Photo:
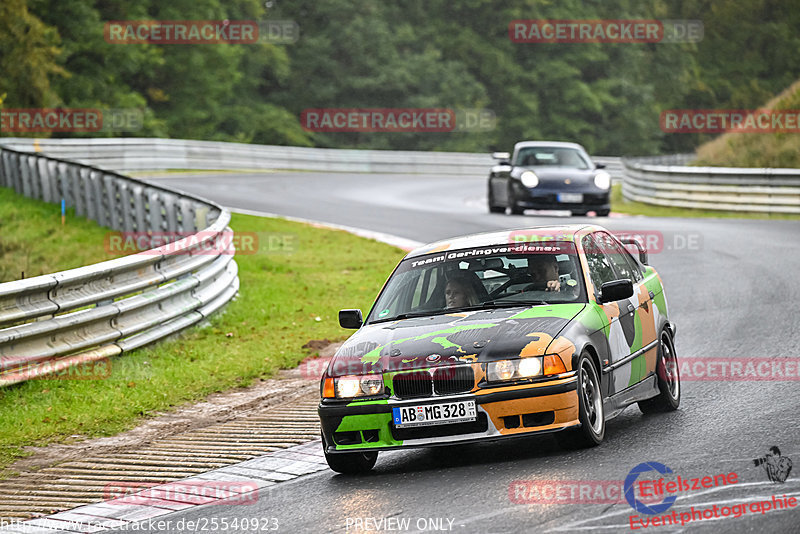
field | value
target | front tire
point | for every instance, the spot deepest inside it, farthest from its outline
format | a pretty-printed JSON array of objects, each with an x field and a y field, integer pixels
[
  {"x": 591, "y": 412},
  {"x": 669, "y": 380},
  {"x": 512, "y": 203},
  {"x": 350, "y": 463},
  {"x": 492, "y": 207}
]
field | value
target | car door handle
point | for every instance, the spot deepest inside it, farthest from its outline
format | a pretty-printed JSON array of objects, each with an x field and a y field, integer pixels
[
  {"x": 631, "y": 307},
  {"x": 652, "y": 295}
]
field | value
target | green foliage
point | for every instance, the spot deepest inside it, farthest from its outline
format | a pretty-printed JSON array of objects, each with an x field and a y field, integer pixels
[
  {"x": 418, "y": 53},
  {"x": 28, "y": 51},
  {"x": 773, "y": 150}
]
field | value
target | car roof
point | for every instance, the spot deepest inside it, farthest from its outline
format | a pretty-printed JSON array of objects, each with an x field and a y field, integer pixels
[
  {"x": 563, "y": 144},
  {"x": 502, "y": 237}
]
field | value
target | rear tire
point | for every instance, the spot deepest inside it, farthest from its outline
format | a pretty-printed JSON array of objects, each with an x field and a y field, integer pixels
[
  {"x": 350, "y": 463},
  {"x": 603, "y": 213},
  {"x": 669, "y": 380},
  {"x": 591, "y": 412}
]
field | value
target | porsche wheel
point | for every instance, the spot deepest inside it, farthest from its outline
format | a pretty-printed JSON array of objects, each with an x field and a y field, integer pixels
[{"x": 492, "y": 207}]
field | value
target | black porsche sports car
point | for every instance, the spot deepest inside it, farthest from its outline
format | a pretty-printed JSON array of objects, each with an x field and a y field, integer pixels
[{"x": 548, "y": 175}]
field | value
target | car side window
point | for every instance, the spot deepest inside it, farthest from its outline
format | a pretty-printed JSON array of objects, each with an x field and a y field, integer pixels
[
  {"x": 600, "y": 269},
  {"x": 619, "y": 257}
]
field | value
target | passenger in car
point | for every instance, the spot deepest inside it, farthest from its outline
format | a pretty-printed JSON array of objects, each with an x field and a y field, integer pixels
[{"x": 459, "y": 291}]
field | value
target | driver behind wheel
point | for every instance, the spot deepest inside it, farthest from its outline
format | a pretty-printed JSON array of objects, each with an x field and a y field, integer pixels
[{"x": 543, "y": 270}]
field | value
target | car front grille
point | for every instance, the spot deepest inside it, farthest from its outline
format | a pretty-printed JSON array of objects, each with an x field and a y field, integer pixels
[
  {"x": 450, "y": 380},
  {"x": 443, "y": 381},
  {"x": 416, "y": 384}
]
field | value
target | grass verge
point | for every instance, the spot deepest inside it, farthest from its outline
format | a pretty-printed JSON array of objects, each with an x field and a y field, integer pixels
[
  {"x": 620, "y": 205},
  {"x": 286, "y": 299},
  {"x": 33, "y": 241}
]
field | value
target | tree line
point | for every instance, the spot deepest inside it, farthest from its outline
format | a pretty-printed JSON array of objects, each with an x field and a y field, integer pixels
[{"x": 403, "y": 54}]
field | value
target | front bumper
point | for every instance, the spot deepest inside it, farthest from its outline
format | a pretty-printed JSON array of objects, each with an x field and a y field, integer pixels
[
  {"x": 501, "y": 412},
  {"x": 542, "y": 198}
]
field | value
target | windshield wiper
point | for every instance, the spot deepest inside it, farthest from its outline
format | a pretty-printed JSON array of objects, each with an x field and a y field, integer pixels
[
  {"x": 410, "y": 315},
  {"x": 500, "y": 303},
  {"x": 507, "y": 303},
  {"x": 492, "y": 304}
]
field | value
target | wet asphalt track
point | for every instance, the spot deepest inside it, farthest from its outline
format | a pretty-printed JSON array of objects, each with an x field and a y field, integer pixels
[{"x": 732, "y": 289}]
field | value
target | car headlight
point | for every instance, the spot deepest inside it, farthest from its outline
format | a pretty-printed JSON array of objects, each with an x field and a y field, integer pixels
[
  {"x": 522, "y": 368},
  {"x": 500, "y": 370},
  {"x": 530, "y": 367},
  {"x": 371, "y": 384},
  {"x": 602, "y": 180},
  {"x": 348, "y": 387},
  {"x": 529, "y": 179}
]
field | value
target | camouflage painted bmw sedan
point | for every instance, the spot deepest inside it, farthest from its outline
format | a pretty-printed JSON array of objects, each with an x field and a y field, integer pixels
[{"x": 500, "y": 335}]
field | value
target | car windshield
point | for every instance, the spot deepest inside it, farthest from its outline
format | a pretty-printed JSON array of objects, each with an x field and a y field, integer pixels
[
  {"x": 544, "y": 156},
  {"x": 520, "y": 274}
]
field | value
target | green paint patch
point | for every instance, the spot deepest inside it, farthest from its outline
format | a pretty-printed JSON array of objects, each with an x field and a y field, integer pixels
[
  {"x": 638, "y": 332},
  {"x": 562, "y": 311},
  {"x": 638, "y": 370},
  {"x": 374, "y": 421},
  {"x": 445, "y": 343},
  {"x": 374, "y": 355}
]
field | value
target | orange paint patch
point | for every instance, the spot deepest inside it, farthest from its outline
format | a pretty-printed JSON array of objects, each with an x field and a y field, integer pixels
[
  {"x": 565, "y": 349},
  {"x": 565, "y": 406},
  {"x": 536, "y": 348},
  {"x": 647, "y": 319},
  {"x": 612, "y": 310}
]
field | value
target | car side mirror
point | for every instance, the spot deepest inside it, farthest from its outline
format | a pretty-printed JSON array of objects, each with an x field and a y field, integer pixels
[
  {"x": 599, "y": 165},
  {"x": 616, "y": 290},
  {"x": 642, "y": 252},
  {"x": 350, "y": 319},
  {"x": 504, "y": 158}
]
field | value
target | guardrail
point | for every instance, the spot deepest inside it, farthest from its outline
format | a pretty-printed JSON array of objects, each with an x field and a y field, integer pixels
[
  {"x": 138, "y": 154},
  {"x": 52, "y": 322},
  {"x": 667, "y": 181}
]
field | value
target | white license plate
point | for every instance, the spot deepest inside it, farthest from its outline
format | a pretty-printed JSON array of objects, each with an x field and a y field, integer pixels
[
  {"x": 434, "y": 414},
  {"x": 570, "y": 198}
]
